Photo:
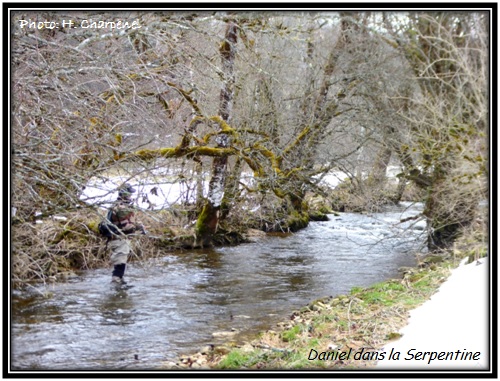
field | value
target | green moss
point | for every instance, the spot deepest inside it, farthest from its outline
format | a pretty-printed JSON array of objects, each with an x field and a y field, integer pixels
[
  {"x": 150, "y": 154},
  {"x": 94, "y": 226},
  {"x": 433, "y": 259},
  {"x": 238, "y": 359},
  {"x": 326, "y": 210},
  {"x": 313, "y": 343},
  {"x": 377, "y": 297},
  {"x": 356, "y": 290},
  {"x": 318, "y": 216},
  {"x": 60, "y": 236},
  {"x": 393, "y": 336},
  {"x": 181, "y": 151},
  {"x": 298, "y": 361},
  {"x": 206, "y": 225},
  {"x": 342, "y": 323},
  {"x": 303, "y": 134},
  {"x": 292, "y": 333},
  {"x": 347, "y": 321},
  {"x": 297, "y": 221},
  {"x": 394, "y": 291},
  {"x": 201, "y": 223}
]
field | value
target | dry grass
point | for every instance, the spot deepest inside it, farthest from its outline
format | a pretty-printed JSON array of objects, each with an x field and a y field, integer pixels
[
  {"x": 365, "y": 319},
  {"x": 50, "y": 249},
  {"x": 42, "y": 250}
]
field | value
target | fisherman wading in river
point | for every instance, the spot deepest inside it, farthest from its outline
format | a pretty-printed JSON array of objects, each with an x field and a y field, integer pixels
[{"x": 118, "y": 225}]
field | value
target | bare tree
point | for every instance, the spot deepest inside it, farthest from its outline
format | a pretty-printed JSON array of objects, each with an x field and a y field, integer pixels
[
  {"x": 259, "y": 105},
  {"x": 444, "y": 148}
]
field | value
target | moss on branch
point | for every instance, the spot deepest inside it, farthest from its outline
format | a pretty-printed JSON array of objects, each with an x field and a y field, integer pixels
[
  {"x": 186, "y": 95},
  {"x": 225, "y": 128},
  {"x": 150, "y": 154},
  {"x": 303, "y": 134}
]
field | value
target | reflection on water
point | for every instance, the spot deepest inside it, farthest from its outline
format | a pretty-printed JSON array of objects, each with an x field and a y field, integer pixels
[
  {"x": 117, "y": 309},
  {"x": 178, "y": 302}
]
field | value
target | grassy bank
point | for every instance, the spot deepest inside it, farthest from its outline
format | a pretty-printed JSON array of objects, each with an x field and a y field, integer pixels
[{"x": 364, "y": 320}]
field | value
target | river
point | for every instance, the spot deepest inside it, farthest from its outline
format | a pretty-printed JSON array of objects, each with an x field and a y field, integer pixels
[{"x": 187, "y": 300}]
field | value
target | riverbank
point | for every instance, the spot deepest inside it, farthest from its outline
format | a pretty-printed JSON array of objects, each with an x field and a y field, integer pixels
[
  {"x": 237, "y": 292},
  {"x": 357, "y": 331},
  {"x": 453, "y": 326}
]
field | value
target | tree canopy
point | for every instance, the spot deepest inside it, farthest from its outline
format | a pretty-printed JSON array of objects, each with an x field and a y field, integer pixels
[{"x": 284, "y": 96}]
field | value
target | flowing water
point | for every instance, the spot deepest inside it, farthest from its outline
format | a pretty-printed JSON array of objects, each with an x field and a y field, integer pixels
[{"x": 187, "y": 300}]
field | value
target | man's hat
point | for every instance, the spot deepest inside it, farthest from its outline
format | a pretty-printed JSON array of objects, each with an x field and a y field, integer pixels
[{"x": 126, "y": 190}]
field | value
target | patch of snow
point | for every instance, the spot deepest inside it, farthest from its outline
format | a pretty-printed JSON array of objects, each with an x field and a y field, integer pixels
[
  {"x": 332, "y": 179},
  {"x": 392, "y": 172},
  {"x": 454, "y": 319},
  {"x": 150, "y": 195}
]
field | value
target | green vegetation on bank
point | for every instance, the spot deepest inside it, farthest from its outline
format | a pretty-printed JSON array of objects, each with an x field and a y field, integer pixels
[{"x": 365, "y": 319}]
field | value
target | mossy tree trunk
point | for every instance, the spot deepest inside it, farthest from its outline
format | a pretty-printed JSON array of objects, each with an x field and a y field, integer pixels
[
  {"x": 446, "y": 213},
  {"x": 208, "y": 220},
  {"x": 442, "y": 153},
  {"x": 231, "y": 188},
  {"x": 320, "y": 107}
]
